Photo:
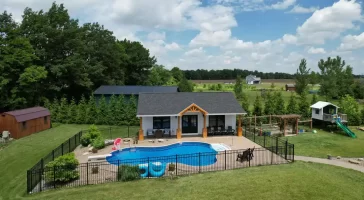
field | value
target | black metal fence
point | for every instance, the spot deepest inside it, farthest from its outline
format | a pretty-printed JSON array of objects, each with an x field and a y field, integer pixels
[
  {"x": 69, "y": 146},
  {"x": 155, "y": 167}
]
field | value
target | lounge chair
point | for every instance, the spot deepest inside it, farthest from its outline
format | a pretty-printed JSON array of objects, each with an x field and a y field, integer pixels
[
  {"x": 245, "y": 156},
  {"x": 213, "y": 131},
  {"x": 230, "y": 130},
  {"x": 150, "y": 133},
  {"x": 167, "y": 132}
]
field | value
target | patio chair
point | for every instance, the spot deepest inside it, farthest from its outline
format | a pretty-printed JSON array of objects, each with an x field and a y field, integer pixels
[
  {"x": 167, "y": 132},
  {"x": 209, "y": 133},
  {"x": 230, "y": 130},
  {"x": 219, "y": 131},
  {"x": 223, "y": 131},
  {"x": 158, "y": 133},
  {"x": 244, "y": 156},
  {"x": 150, "y": 133},
  {"x": 213, "y": 131}
]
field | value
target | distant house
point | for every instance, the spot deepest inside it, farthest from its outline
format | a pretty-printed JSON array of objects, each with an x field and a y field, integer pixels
[
  {"x": 251, "y": 79},
  {"x": 290, "y": 87},
  {"x": 21, "y": 123},
  {"x": 127, "y": 90}
]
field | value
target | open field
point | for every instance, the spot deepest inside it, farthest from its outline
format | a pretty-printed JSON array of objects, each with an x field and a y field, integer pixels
[
  {"x": 20, "y": 155},
  {"x": 323, "y": 143},
  {"x": 290, "y": 181},
  {"x": 285, "y": 81}
]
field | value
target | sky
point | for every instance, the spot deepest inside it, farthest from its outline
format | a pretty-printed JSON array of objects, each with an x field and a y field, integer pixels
[{"x": 263, "y": 35}]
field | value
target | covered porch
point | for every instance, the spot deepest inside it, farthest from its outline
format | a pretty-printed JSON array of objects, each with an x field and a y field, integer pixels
[{"x": 191, "y": 121}]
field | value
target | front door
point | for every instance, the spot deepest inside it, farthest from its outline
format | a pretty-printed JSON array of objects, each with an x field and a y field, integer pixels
[{"x": 189, "y": 124}]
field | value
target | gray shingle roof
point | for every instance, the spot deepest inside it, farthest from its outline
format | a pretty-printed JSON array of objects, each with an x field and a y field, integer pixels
[
  {"x": 29, "y": 113},
  {"x": 133, "y": 89},
  {"x": 174, "y": 103}
]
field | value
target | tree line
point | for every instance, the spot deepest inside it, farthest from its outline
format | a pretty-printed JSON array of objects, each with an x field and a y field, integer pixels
[
  {"x": 228, "y": 74},
  {"x": 117, "y": 111}
]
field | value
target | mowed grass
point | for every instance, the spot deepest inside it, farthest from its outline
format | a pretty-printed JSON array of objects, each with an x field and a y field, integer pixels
[
  {"x": 22, "y": 154},
  {"x": 322, "y": 143},
  {"x": 290, "y": 181}
]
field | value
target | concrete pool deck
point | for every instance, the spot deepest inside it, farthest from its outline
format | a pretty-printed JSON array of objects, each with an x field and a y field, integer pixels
[{"x": 234, "y": 142}]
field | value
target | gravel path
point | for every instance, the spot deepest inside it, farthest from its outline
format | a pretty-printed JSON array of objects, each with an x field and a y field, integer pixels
[{"x": 335, "y": 162}]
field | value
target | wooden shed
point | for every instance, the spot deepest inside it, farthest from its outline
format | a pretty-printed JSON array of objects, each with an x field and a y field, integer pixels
[
  {"x": 21, "y": 123},
  {"x": 290, "y": 87}
]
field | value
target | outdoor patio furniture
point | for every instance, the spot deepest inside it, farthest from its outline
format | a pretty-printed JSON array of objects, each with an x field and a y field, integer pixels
[
  {"x": 219, "y": 132},
  {"x": 209, "y": 132},
  {"x": 251, "y": 153},
  {"x": 213, "y": 131},
  {"x": 223, "y": 131},
  {"x": 167, "y": 132},
  {"x": 246, "y": 155},
  {"x": 158, "y": 133},
  {"x": 150, "y": 133},
  {"x": 230, "y": 130}
]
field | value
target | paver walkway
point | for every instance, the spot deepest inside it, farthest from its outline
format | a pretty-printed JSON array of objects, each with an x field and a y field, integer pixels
[{"x": 331, "y": 162}]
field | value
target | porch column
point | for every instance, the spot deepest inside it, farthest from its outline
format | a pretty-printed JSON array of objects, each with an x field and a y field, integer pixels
[
  {"x": 240, "y": 129},
  {"x": 141, "y": 132},
  {"x": 204, "y": 130},
  {"x": 179, "y": 133}
]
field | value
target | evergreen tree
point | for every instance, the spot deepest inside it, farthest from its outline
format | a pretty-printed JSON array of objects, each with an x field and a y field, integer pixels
[
  {"x": 54, "y": 110},
  {"x": 112, "y": 110},
  {"x": 238, "y": 88},
  {"x": 102, "y": 111},
  {"x": 314, "y": 99},
  {"x": 279, "y": 104},
  {"x": 91, "y": 111},
  {"x": 245, "y": 103},
  {"x": 131, "y": 111},
  {"x": 258, "y": 107},
  {"x": 269, "y": 107},
  {"x": 81, "y": 111},
  {"x": 302, "y": 77},
  {"x": 304, "y": 106},
  {"x": 362, "y": 116},
  {"x": 120, "y": 110},
  {"x": 292, "y": 107},
  {"x": 63, "y": 111},
  {"x": 71, "y": 112}
]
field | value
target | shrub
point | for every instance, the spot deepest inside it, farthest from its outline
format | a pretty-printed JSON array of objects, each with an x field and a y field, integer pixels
[
  {"x": 99, "y": 143},
  {"x": 94, "y": 132},
  {"x": 85, "y": 139},
  {"x": 62, "y": 169},
  {"x": 128, "y": 173}
]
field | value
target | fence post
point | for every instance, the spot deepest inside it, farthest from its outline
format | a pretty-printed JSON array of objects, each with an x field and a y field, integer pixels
[
  {"x": 176, "y": 165},
  {"x": 225, "y": 159},
  {"x": 53, "y": 154},
  {"x": 293, "y": 152},
  {"x": 276, "y": 145},
  {"x": 54, "y": 176},
  {"x": 254, "y": 134},
  {"x": 40, "y": 174},
  {"x": 264, "y": 141},
  {"x": 199, "y": 162},
  {"x": 271, "y": 159},
  {"x": 31, "y": 180},
  {"x": 28, "y": 181},
  {"x": 118, "y": 173},
  {"x": 87, "y": 173},
  {"x": 286, "y": 152},
  {"x": 62, "y": 148}
]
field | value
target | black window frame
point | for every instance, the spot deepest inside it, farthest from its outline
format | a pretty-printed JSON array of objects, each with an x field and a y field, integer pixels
[
  {"x": 317, "y": 111},
  {"x": 161, "y": 122},
  {"x": 215, "y": 119}
]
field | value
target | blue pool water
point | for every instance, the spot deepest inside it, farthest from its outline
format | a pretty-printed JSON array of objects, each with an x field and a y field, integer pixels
[{"x": 189, "y": 153}]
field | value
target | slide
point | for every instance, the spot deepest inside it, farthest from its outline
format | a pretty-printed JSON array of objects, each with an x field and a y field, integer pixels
[
  {"x": 346, "y": 129},
  {"x": 117, "y": 143}
]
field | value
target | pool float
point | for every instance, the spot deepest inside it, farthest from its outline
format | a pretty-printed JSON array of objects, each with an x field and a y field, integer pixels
[
  {"x": 157, "y": 169},
  {"x": 117, "y": 142},
  {"x": 143, "y": 168}
]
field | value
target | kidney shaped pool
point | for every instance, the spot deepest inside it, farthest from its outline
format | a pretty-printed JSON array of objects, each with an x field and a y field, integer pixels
[{"x": 189, "y": 153}]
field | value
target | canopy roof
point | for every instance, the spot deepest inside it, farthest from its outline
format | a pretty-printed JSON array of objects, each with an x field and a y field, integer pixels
[{"x": 322, "y": 104}]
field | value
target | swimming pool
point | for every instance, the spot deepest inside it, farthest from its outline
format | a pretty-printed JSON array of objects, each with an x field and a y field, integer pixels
[{"x": 189, "y": 153}]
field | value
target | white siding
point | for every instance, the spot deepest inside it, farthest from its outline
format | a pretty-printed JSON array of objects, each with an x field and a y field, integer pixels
[
  {"x": 147, "y": 124},
  {"x": 319, "y": 116},
  {"x": 230, "y": 120}
]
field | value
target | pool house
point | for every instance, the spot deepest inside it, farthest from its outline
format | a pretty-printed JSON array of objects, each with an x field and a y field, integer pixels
[{"x": 189, "y": 114}]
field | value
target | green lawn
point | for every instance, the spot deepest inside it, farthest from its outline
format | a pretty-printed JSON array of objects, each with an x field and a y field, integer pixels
[
  {"x": 22, "y": 154},
  {"x": 291, "y": 181},
  {"x": 323, "y": 143}
]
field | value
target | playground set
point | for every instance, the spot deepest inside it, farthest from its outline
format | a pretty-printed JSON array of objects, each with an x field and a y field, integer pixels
[{"x": 323, "y": 114}]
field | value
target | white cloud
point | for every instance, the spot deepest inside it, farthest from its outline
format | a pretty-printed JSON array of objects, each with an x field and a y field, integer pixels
[
  {"x": 195, "y": 52},
  {"x": 258, "y": 57},
  {"x": 289, "y": 39},
  {"x": 329, "y": 22},
  {"x": 313, "y": 50},
  {"x": 173, "y": 46},
  {"x": 300, "y": 10},
  {"x": 352, "y": 42},
  {"x": 282, "y": 5},
  {"x": 207, "y": 38}
]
